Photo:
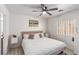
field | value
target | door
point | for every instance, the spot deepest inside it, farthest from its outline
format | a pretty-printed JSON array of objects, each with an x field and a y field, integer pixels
[{"x": 4, "y": 29}]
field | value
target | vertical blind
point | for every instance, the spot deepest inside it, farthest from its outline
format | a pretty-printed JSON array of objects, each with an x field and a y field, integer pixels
[{"x": 66, "y": 27}]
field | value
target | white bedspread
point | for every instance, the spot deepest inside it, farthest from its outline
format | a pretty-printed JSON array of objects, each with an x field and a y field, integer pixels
[{"x": 41, "y": 46}]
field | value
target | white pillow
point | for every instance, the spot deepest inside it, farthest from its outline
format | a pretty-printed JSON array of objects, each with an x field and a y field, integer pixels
[
  {"x": 36, "y": 35},
  {"x": 26, "y": 36}
]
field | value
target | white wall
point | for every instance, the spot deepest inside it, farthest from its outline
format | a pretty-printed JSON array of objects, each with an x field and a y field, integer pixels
[
  {"x": 16, "y": 23},
  {"x": 19, "y": 23},
  {"x": 52, "y": 26},
  {"x": 6, "y": 27}
]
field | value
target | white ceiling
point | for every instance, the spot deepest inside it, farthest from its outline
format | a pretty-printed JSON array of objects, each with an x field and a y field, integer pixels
[{"x": 28, "y": 8}]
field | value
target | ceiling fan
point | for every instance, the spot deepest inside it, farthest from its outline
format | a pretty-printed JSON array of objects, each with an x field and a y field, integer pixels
[{"x": 46, "y": 10}]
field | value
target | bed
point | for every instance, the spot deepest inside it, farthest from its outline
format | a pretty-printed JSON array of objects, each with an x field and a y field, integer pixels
[{"x": 42, "y": 46}]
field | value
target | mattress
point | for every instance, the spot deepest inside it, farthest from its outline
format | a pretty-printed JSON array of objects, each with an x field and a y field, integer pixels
[{"x": 42, "y": 46}]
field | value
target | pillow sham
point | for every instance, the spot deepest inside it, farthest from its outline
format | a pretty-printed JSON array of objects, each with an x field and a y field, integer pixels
[
  {"x": 43, "y": 35},
  {"x": 36, "y": 35},
  {"x": 31, "y": 36},
  {"x": 28, "y": 36},
  {"x": 25, "y": 36}
]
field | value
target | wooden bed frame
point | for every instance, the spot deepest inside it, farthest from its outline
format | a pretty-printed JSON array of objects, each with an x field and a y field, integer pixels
[{"x": 30, "y": 32}]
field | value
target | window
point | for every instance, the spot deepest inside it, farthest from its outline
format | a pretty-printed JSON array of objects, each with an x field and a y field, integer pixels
[{"x": 66, "y": 27}]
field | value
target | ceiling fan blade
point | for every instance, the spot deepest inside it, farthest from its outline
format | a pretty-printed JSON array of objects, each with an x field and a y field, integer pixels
[
  {"x": 40, "y": 14},
  {"x": 52, "y": 9},
  {"x": 48, "y": 13},
  {"x": 60, "y": 10},
  {"x": 36, "y": 11}
]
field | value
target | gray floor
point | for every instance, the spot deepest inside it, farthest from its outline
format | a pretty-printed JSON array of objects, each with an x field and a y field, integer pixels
[
  {"x": 15, "y": 51},
  {"x": 19, "y": 51}
]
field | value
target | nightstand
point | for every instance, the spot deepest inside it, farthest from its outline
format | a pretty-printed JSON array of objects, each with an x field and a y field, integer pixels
[{"x": 13, "y": 41}]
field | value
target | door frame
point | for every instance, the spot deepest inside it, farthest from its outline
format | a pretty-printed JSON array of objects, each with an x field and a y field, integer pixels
[{"x": 1, "y": 25}]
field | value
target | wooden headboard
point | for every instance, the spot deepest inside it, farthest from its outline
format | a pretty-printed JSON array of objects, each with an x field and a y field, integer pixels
[{"x": 30, "y": 32}]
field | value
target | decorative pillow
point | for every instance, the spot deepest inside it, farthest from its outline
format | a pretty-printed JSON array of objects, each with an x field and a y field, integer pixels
[
  {"x": 41, "y": 35},
  {"x": 46, "y": 35},
  {"x": 31, "y": 36},
  {"x": 36, "y": 35}
]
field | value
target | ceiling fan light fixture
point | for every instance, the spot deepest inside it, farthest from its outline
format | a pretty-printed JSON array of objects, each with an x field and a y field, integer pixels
[{"x": 44, "y": 12}]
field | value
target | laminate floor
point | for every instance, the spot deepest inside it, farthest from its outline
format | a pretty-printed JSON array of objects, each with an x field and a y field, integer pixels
[
  {"x": 15, "y": 51},
  {"x": 19, "y": 51}
]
